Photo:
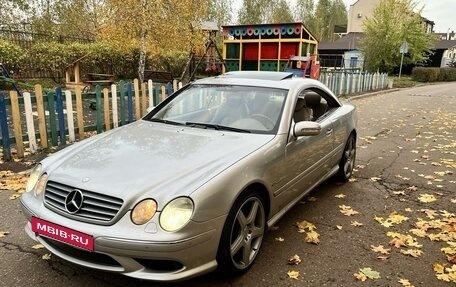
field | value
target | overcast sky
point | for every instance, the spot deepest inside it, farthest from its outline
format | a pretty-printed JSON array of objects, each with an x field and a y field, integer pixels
[{"x": 442, "y": 12}]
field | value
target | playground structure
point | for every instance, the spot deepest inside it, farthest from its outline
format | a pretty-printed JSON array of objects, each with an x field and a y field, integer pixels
[
  {"x": 270, "y": 47},
  {"x": 211, "y": 56}
]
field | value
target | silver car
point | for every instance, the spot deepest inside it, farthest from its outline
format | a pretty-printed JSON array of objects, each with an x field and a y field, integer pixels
[{"x": 194, "y": 184}]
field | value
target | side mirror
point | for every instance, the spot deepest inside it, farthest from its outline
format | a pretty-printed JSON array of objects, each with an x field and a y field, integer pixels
[{"x": 306, "y": 128}]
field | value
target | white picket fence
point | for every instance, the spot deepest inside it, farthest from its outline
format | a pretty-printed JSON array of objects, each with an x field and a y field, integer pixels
[{"x": 353, "y": 82}]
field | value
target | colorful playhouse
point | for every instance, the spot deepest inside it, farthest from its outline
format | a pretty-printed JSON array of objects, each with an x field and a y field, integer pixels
[{"x": 265, "y": 47}]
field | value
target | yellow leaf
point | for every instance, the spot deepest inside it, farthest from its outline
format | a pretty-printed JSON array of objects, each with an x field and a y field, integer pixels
[
  {"x": 426, "y": 198},
  {"x": 356, "y": 223},
  {"x": 405, "y": 283},
  {"x": 360, "y": 276},
  {"x": 312, "y": 237},
  {"x": 38, "y": 246},
  {"x": 3, "y": 233},
  {"x": 305, "y": 225},
  {"x": 46, "y": 256},
  {"x": 380, "y": 249},
  {"x": 293, "y": 274},
  {"x": 280, "y": 239},
  {"x": 340, "y": 195},
  {"x": 439, "y": 268},
  {"x": 412, "y": 252}
]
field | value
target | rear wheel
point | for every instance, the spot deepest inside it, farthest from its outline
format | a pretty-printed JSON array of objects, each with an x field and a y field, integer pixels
[
  {"x": 347, "y": 163},
  {"x": 242, "y": 234}
]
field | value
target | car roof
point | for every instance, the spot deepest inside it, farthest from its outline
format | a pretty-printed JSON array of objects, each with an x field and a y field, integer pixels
[
  {"x": 273, "y": 76},
  {"x": 280, "y": 80}
]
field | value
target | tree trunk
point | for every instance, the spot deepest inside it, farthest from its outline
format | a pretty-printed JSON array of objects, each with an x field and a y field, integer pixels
[{"x": 142, "y": 49}]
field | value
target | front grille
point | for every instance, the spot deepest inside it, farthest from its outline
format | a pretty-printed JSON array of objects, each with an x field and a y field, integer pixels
[
  {"x": 95, "y": 206},
  {"x": 83, "y": 255}
]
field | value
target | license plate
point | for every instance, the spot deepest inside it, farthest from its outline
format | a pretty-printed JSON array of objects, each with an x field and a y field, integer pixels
[{"x": 62, "y": 234}]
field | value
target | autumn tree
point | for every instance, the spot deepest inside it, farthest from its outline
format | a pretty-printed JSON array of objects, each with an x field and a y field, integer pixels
[
  {"x": 252, "y": 12},
  {"x": 304, "y": 11},
  {"x": 392, "y": 23},
  {"x": 281, "y": 13},
  {"x": 153, "y": 26},
  {"x": 328, "y": 14}
]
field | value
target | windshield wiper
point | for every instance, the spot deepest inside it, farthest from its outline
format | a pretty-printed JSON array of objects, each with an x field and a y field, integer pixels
[
  {"x": 215, "y": 127},
  {"x": 166, "y": 121}
]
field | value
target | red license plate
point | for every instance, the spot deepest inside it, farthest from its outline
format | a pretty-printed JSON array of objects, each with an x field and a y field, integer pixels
[{"x": 62, "y": 234}]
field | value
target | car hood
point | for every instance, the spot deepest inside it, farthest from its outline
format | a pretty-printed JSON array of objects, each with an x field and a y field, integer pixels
[{"x": 151, "y": 159}]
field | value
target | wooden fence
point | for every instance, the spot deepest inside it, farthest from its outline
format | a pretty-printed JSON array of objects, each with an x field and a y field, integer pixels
[
  {"x": 59, "y": 117},
  {"x": 56, "y": 118},
  {"x": 353, "y": 82}
]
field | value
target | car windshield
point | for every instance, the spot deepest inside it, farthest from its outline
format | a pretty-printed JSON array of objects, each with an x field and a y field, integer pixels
[{"x": 224, "y": 107}]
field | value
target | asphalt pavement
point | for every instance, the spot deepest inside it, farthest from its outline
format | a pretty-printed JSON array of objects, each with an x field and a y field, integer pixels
[{"x": 406, "y": 165}]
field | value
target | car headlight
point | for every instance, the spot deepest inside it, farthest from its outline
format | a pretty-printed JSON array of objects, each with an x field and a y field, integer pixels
[
  {"x": 41, "y": 184},
  {"x": 176, "y": 214},
  {"x": 143, "y": 211},
  {"x": 33, "y": 178}
]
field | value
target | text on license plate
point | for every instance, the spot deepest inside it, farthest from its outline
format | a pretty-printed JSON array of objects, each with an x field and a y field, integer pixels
[{"x": 62, "y": 233}]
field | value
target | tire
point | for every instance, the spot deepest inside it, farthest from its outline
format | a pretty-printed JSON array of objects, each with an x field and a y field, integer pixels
[
  {"x": 242, "y": 234},
  {"x": 347, "y": 162}
]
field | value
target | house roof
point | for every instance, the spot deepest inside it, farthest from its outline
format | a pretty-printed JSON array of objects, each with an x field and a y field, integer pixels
[
  {"x": 445, "y": 44},
  {"x": 349, "y": 41}
]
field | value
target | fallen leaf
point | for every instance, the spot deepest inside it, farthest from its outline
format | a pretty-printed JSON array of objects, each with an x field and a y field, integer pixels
[
  {"x": 312, "y": 237},
  {"x": 293, "y": 274},
  {"x": 3, "y": 233},
  {"x": 46, "y": 256},
  {"x": 380, "y": 249},
  {"x": 405, "y": 283},
  {"x": 280, "y": 239},
  {"x": 305, "y": 225},
  {"x": 427, "y": 198},
  {"x": 356, "y": 224},
  {"x": 360, "y": 276},
  {"x": 340, "y": 195},
  {"x": 371, "y": 274},
  {"x": 37, "y": 246},
  {"x": 412, "y": 252},
  {"x": 295, "y": 260}
]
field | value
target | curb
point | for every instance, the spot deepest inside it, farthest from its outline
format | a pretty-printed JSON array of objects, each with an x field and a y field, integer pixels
[{"x": 373, "y": 94}]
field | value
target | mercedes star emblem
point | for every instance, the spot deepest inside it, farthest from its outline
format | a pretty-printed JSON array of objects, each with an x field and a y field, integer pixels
[{"x": 73, "y": 201}]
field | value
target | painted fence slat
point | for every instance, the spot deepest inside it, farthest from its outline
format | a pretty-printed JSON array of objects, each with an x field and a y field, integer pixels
[
  {"x": 70, "y": 116},
  {"x": 60, "y": 115},
  {"x": 17, "y": 126},
  {"x": 41, "y": 116},
  {"x": 137, "y": 100},
  {"x": 29, "y": 121},
  {"x": 6, "y": 144},
  {"x": 130, "y": 102},
  {"x": 79, "y": 113},
  {"x": 150, "y": 88},
  {"x": 115, "y": 115},
  {"x": 143, "y": 99},
  {"x": 52, "y": 118},
  {"x": 122, "y": 102},
  {"x": 99, "y": 108},
  {"x": 106, "y": 109}
]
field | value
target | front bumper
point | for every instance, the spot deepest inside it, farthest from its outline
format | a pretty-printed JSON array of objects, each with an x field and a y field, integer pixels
[{"x": 167, "y": 260}]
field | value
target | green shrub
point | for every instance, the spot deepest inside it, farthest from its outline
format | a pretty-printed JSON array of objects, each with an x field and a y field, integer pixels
[
  {"x": 11, "y": 55},
  {"x": 447, "y": 74},
  {"x": 422, "y": 74}
]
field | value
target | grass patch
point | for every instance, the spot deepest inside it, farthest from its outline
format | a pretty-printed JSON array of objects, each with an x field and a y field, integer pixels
[{"x": 404, "y": 82}]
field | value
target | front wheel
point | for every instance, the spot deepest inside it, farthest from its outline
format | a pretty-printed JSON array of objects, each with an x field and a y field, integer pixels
[
  {"x": 242, "y": 234},
  {"x": 347, "y": 163}
]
